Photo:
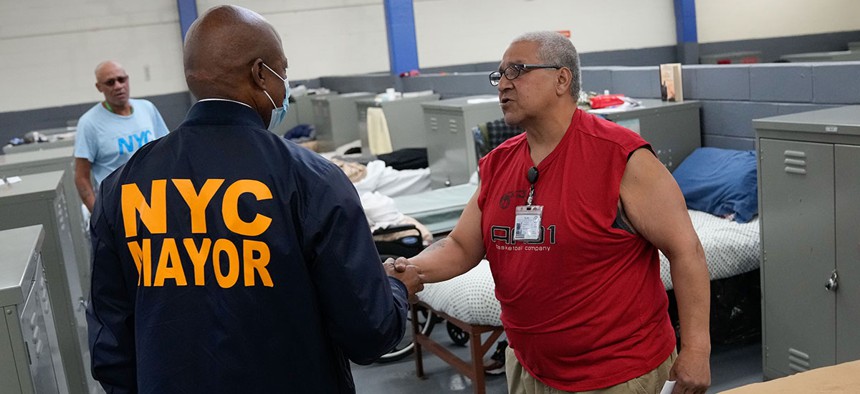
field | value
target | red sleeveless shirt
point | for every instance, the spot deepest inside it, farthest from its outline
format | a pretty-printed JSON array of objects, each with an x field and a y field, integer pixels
[{"x": 583, "y": 307}]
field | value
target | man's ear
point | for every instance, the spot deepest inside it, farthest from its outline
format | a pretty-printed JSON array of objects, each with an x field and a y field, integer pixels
[
  {"x": 99, "y": 88},
  {"x": 565, "y": 78},
  {"x": 258, "y": 73}
]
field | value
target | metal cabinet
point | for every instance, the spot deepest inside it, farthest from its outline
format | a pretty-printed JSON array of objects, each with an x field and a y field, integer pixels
[
  {"x": 31, "y": 162},
  {"x": 336, "y": 119},
  {"x": 809, "y": 183},
  {"x": 450, "y": 143},
  {"x": 404, "y": 117},
  {"x": 39, "y": 199},
  {"x": 57, "y": 159},
  {"x": 301, "y": 112},
  {"x": 672, "y": 129},
  {"x": 27, "y": 354},
  {"x": 58, "y": 137}
]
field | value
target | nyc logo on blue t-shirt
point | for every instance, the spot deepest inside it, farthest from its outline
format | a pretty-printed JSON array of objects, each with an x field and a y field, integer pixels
[{"x": 133, "y": 142}]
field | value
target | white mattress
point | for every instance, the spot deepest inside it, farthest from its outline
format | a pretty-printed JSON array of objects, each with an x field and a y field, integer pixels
[
  {"x": 730, "y": 249},
  {"x": 470, "y": 297}
]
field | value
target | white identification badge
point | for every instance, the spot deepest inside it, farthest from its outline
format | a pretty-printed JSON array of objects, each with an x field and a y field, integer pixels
[{"x": 527, "y": 223}]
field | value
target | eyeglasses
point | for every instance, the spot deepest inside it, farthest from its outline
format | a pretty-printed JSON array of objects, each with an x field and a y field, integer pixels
[
  {"x": 513, "y": 71},
  {"x": 113, "y": 81}
]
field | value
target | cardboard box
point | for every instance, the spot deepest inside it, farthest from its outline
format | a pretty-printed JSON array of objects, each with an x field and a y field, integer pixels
[{"x": 842, "y": 378}]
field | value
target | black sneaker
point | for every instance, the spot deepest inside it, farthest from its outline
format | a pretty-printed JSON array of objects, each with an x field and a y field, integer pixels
[{"x": 496, "y": 364}]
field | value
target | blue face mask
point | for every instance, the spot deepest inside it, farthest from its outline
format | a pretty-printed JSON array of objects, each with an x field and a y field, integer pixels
[{"x": 279, "y": 114}]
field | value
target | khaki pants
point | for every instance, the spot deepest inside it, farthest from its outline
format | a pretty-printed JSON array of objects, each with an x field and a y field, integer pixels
[{"x": 521, "y": 382}]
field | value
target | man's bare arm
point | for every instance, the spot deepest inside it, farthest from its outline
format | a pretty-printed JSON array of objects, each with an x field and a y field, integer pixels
[
  {"x": 457, "y": 253},
  {"x": 656, "y": 208},
  {"x": 83, "y": 171}
]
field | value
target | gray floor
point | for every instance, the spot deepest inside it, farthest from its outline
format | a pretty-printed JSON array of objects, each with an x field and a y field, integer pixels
[{"x": 731, "y": 366}]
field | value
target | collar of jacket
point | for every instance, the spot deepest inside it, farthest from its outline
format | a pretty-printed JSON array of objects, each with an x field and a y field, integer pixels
[{"x": 222, "y": 113}]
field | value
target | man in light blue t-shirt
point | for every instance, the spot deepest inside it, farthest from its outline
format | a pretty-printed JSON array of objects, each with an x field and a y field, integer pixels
[{"x": 112, "y": 130}]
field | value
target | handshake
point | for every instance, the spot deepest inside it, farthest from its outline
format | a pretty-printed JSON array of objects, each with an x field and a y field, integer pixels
[{"x": 407, "y": 273}]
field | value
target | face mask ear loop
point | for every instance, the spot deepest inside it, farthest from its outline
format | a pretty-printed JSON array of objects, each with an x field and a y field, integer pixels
[
  {"x": 270, "y": 99},
  {"x": 267, "y": 93}
]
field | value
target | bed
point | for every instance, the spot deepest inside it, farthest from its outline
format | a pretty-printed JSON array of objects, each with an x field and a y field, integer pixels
[
  {"x": 437, "y": 209},
  {"x": 720, "y": 189},
  {"x": 731, "y": 248}
]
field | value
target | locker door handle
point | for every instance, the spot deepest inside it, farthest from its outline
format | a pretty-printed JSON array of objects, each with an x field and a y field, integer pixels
[{"x": 832, "y": 283}]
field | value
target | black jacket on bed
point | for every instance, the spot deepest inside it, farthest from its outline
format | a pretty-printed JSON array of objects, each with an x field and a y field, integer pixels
[{"x": 228, "y": 260}]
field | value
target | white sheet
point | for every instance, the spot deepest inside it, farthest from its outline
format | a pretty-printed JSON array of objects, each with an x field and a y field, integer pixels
[
  {"x": 393, "y": 183},
  {"x": 730, "y": 249},
  {"x": 384, "y": 179}
]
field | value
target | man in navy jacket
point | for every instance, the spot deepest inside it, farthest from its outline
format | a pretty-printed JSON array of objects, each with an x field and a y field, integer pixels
[{"x": 229, "y": 260}]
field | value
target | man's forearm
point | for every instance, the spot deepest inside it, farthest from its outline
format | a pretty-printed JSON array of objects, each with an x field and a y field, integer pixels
[
  {"x": 444, "y": 260},
  {"x": 693, "y": 294},
  {"x": 85, "y": 191},
  {"x": 89, "y": 201}
]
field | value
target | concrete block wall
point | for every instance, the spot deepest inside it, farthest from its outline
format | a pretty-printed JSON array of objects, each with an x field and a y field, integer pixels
[
  {"x": 451, "y": 85},
  {"x": 447, "y": 85},
  {"x": 373, "y": 83},
  {"x": 733, "y": 95}
]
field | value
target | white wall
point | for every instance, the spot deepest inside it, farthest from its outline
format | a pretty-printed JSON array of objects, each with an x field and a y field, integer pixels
[
  {"x": 325, "y": 37},
  {"x": 729, "y": 20},
  {"x": 49, "y": 48},
  {"x": 471, "y": 31}
]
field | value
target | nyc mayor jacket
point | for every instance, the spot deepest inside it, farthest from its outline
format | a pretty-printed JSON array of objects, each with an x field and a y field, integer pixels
[{"x": 228, "y": 260}]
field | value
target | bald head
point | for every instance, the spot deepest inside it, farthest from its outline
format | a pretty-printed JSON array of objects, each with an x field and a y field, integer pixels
[
  {"x": 112, "y": 81},
  {"x": 224, "y": 49},
  {"x": 105, "y": 66}
]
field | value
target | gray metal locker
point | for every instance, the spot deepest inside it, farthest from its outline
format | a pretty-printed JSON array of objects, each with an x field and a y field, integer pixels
[
  {"x": 301, "y": 112},
  {"x": 809, "y": 183},
  {"x": 673, "y": 129},
  {"x": 39, "y": 199},
  {"x": 57, "y": 159},
  {"x": 27, "y": 355},
  {"x": 848, "y": 251},
  {"x": 404, "y": 117},
  {"x": 336, "y": 119},
  {"x": 797, "y": 210},
  {"x": 450, "y": 144}
]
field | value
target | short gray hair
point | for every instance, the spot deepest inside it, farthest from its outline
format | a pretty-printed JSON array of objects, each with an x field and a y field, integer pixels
[{"x": 556, "y": 49}]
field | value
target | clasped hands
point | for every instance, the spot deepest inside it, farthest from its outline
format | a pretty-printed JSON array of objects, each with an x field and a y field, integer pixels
[{"x": 407, "y": 273}]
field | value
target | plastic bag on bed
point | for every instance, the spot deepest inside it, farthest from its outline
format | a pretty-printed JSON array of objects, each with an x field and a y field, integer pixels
[{"x": 735, "y": 309}]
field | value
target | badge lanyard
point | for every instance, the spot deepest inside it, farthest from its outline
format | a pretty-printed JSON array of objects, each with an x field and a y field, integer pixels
[{"x": 527, "y": 223}]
